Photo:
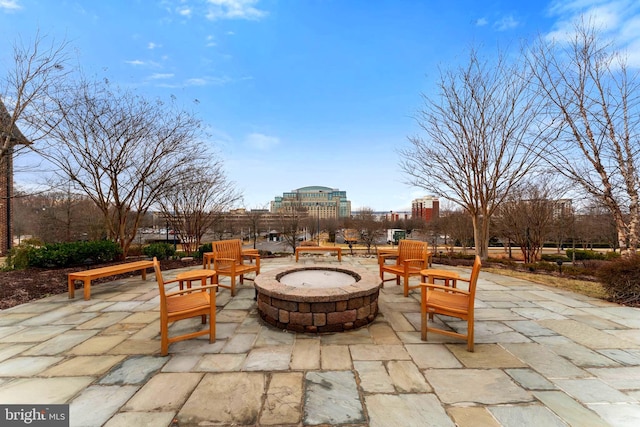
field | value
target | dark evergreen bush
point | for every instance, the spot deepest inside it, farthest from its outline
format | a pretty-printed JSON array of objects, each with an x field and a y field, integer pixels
[
  {"x": 207, "y": 247},
  {"x": 621, "y": 279},
  {"x": 159, "y": 250},
  {"x": 70, "y": 254},
  {"x": 555, "y": 258},
  {"x": 582, "y": 255}
]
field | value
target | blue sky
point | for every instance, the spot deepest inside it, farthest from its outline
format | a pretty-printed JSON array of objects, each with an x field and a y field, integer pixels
[{"x": 300, "y": 92}]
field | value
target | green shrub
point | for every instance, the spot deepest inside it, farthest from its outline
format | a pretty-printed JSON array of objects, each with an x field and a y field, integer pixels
[
  {"x": 159, "y": 250},
  {"x": 555, "y": 258},
  {"x": 621, "y": 279},
  {"x": 610, "y": 256},
  {"x": 18, "y": 257},
  {"x": 59, "y": 255},
  {"x": 207, "y": 247},
  {"x": 582, "y": 255},
  {"x": 545, "y": 266}
]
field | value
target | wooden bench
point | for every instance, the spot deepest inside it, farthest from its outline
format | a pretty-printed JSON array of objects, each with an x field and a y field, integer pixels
[
  {"x": 88, "y": 275},
  {"x": 319, "y": 249}
]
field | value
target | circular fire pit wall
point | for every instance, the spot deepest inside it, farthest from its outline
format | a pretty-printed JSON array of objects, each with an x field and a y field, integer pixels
[{"x": 318, "y": 298}]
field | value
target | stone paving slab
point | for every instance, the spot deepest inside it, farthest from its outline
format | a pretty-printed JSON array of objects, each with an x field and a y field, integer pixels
[
  {"x": 543, "y": 357},
  {"x": 332, "y": 398},
  {"x": 468, "y": 386},
  {"x": 410, "y": 410},
  {"x": 225, "y": 399}
]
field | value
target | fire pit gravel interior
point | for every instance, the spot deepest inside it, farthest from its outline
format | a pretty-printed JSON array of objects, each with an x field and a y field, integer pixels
[{"x": 320, "y": 299}]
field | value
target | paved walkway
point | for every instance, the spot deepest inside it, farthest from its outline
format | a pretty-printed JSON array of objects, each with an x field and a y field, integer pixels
[{"x": 543, "y": 357}]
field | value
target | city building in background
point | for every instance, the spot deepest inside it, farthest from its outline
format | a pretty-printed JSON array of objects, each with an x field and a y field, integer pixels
[
  {"x": 392, "y": 215},
  {"x": 427, "y": 208},
  {"x": 323, "y": 202}
]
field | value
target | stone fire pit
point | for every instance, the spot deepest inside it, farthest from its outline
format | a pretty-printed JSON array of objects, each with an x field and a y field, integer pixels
[{"x": 318, "y": 298}]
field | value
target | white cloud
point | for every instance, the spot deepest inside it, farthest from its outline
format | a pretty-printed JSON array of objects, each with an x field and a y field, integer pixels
[
  {"x": 211, "y": 41},
  {"x": 158, "y": 76},
  {"x": 185, "y": 11},
  {"x": 262, "y": 142},
  {"x": 482, "y": 22},
  {"x": 135, "y": 62},
  {"x": 196, "y": 81},
  {"x": 618, "y": 20},
  {"x": 233, "y": 9},
  {"x": 199, "y": 81},
  {"x": 506, "y": 23},
  {"x": 141, "y": 63},
  {"x": 153, "y": 45},
  {"x": 10, "y": 5}
]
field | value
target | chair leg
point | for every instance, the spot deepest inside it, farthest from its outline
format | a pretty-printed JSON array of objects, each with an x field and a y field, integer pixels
[
  {"x": 423, "y": 313},
  {"x": 406, "y": 286},
  {"x": 470, "y": 335},
  {"x": 233, "y": 285},
  {"x": 212, "y": 318},
  {"x": 164, "y": 338}
]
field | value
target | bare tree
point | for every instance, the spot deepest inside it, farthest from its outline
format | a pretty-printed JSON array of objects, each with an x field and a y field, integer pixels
[
  {"x": 457, "y": 228},
  {"x": 254, "y": 220},
  {"x": 331, "y": 225},
  {"x": 526, "y": 218},
  {"x": 290, "y": 222},
  {"x": 57, "y": 216},
  {"x": 196, "y": 200},
  {"x": 38, "y": 69},
  {"x": 370, "y": 229},
  {"x": 593, "y": 116},
  {"x": 121, "y": 150},
  {"x": 478, "y": 139}
]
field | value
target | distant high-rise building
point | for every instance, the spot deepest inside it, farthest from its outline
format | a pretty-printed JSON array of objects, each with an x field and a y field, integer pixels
[
  {"x": 427, "y": 208},
  {"x": 324, "y": 202}
]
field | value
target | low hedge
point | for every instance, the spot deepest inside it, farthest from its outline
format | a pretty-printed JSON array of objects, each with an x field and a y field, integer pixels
[
  {"x": 159, "y": 250},
  {"x": 68, "y": 254}
]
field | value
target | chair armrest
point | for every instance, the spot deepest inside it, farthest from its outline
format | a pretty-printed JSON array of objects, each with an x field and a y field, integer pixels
[
  {"x": 382, "y": 257},
  {"x": 444, "y": 288},
  {"x": 189, "y": 290}
]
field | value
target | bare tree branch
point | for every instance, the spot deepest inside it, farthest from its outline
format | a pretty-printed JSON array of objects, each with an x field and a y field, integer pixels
[
  {"x": 480, "y": 139},
  {"x": 592, "y": 110},
  {"x": 121, "y": 150}
]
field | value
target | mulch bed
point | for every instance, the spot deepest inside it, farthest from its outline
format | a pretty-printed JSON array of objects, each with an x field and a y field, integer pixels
[{"x": 21, "y": 286}]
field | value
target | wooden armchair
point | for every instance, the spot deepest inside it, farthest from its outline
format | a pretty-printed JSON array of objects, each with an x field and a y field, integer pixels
[
  {"x": 411, "y": 257},
  {"x": 185, "y": 304},
  {"x": 448, "y": 301},
  {"x": 207, "y": 257},
  {"x": 228, "y": 260}
]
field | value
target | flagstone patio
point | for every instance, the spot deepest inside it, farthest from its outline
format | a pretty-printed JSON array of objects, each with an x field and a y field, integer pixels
[{"x": 543, "y": 357}]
